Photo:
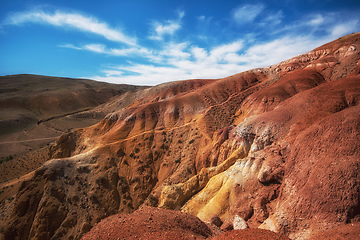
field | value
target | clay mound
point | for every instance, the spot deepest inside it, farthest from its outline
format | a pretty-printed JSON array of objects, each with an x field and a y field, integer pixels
[
  {"x": 250, "y": 234},
  {"x": 150, "y": 223}
]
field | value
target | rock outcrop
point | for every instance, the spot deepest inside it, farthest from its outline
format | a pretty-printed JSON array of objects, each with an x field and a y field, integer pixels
[{"x": 278, "y": 147}]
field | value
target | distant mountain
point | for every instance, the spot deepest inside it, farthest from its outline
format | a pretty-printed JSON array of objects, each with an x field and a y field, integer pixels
[{"x": 276, "y": 147}]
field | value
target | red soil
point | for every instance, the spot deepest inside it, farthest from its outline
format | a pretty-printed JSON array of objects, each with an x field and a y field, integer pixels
[
  {"x": 346, "y": 232},
  {"x": 250, "y": 234},
  {"x": 155, "y": 223},
  {"x": 150, "y": 223}
]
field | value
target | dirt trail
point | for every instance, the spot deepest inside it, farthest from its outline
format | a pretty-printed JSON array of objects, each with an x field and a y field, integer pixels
[
  {"x": 29, "y": 140},
  {"x": 61, "y": 116}
]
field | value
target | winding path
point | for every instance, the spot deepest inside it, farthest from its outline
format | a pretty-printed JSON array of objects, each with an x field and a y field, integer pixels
[{"x": 29, "y": 140}]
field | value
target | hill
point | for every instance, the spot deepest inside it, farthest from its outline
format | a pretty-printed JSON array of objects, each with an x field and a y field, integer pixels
[
  {"x": 277, "y": 147},
  {"x": 35, "y": 110}
]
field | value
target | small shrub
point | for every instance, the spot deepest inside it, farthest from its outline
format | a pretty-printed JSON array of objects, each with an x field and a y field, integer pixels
[{"x": 8, "y": 158}]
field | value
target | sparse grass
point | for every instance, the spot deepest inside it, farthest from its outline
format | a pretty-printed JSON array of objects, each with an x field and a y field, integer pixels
[{"x": 8, "y": 158}]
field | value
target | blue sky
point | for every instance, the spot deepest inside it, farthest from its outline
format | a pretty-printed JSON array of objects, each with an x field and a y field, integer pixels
[{"x": 149, "y": 42}]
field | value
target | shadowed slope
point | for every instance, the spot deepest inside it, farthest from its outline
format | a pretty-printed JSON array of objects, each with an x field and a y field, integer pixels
[{"x": 35, "y": 110}]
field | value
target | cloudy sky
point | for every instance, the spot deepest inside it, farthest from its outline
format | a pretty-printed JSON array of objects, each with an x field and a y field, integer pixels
[{"x": 146, "y": 42}]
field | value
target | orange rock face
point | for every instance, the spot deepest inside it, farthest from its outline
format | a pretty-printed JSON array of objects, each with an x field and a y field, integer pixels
[{"x": 278, "y": 147}]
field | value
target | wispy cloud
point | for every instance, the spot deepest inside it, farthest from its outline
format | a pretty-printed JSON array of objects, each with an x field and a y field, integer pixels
[
  {"x": 98, "y": 48},
  {"x": 247, "y": 13},
  {"x": 345, "y": 28},
  {"x": 178, "y": 61},
  {"x": 169, "y": 27},
  {"x": 188, "y": 61},
  {"x": 223, "y": 52},
  {"x": 164, "y": 29},
  {"x": 72, "y": 20},
  {"x": 273, "y": 19},
  {"x": 316, "y": 20},
  {"x": 69, "y": 45},
  {"x": 102, "y": 49},
  {"x": 329, "y": 25}
]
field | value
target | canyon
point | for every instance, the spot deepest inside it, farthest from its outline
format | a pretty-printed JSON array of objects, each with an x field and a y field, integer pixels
[{"x": 277, "y": 148}]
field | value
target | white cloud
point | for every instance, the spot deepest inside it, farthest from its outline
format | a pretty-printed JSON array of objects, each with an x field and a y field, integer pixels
[
  {"x": 247, "y": 13},
  {"x": 269, "y": 53},
  {"x": 191, "y": 62},
  {"x": 142, "y": 74},
  {"x": 186, "y": 60},
  {"x": 201, "y": 18},
  {"x": 167, "y": 28},
  {"x": 98, "y": 48},
  {"x": 316, "y": 20},
  {"x": 72, "y": 20},
  {"x": 199, "y": 54},
  {"x": 113, "y": 73},
  {"x": 181, "y": 14},
  {"x": 328, "y": 25},
  {"x": 175, "y": 50},
  {"x": 102, "y": 49},
  {"x": 222, "y": 52},
  {"x": 137, "y": 51},
  {"x": 344, "y": 28},
  {"x": 273, "y": 19},
  {"x": 164, "y": 29},
  {"x": 69, "y": 45},
  {"x": 178, "y": 61}
]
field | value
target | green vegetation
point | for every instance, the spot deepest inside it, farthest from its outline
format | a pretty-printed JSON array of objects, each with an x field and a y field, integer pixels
[{"x": 8, "y": 158}]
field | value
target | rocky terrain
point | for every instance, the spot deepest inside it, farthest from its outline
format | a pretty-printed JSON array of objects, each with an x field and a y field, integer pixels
[{"x": 273, "y": 148}]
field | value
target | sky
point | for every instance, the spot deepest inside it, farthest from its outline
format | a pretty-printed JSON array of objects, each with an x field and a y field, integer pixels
[{"x": 145, "y": 42}]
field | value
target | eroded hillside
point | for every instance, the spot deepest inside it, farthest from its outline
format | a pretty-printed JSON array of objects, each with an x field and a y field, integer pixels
[
  {"x": 36, "y": 110},
  {"x": 276, "y": 146}
]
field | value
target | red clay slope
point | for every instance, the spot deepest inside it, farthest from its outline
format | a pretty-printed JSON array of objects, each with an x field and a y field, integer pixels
[
  {"x": 156, "y": 223},
  {"x": 150, "y": 223},
  {"x": 277, "y": 146}
]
